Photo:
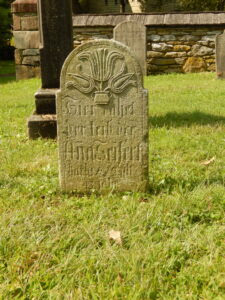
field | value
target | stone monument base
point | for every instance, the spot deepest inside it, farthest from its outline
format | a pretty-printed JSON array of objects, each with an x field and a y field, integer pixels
[
  {"x": 45, "y": 101},
  {"x": 42, "y": 126},
  {"x": 43, "y": 122}
]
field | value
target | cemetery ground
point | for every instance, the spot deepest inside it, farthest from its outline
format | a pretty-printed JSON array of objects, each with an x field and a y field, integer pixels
[{"x": 56, "y": 245}]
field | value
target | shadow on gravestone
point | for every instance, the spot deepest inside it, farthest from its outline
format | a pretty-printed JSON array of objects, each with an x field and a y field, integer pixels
[
  {"x": 55, "y": 25},
  {"x": 220, "y": 55},
  {"x": 102, "y": 111},
  {"x": 133, "y": 35}
]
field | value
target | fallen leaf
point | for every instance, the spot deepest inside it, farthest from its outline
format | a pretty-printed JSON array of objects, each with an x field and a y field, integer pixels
[
  {"x": 208, "y": 162},
  {"x": 120, "y": 277},
  {"x": 115, "y": 236},
  {"x": 143, "y": 200}
]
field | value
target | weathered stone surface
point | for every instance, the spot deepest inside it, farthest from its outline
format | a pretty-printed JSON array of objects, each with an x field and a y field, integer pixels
[
  {"x": 102, "y": 112},
  {"x": 31, "y": 60},
  {"x": 220, "y": 55},
  {"x": 163, "y": 61},
  {"x": 42, "y": 126},
  {"x": 208, "y": 38},
  {"x": 154, "y": 38},
  {"x": 29, "y": 23},
  {"x": 16, "y": 22},
  {"x": 56, "y": 38},
  {"x": 26, "y": 39},
  {"x": 211, "y": 68},
  {"x": 45, "y": 101},
  {"x": 189, "y": 38},
  {"x": 161, "y": 47},
  {"x": 180, "y": 61},
  {"x": 24, "y": 6},
  {"x": 195, "y": 65},
  {"x": 154, "y": 54},
  {"x": 18, "y": 56},
  {"x": 133, "y": 35},
  {"x": 198, "y": 50},
  {"x": 25, "y": 72},
  {"x": 203, "y": 43},
  {"x": 31, "y": 52},
  {"x": 181, "y": 48},
  {"x": 175, "y": 54},
  {"x": 168, "y": 37}
]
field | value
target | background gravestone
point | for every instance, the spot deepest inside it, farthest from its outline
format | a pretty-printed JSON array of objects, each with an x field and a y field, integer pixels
[
  {"x": 133, "y": 35},
  {"x": 220, "y": 55},
  {"x": 55, "y": 25},
  {"x": 102, "y": 112}
]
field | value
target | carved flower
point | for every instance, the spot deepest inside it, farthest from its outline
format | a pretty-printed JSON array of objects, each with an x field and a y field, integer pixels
[{"x": 101, "y": 78}]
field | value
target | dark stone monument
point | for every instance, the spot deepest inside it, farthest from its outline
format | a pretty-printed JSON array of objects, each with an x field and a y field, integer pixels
[{"x": 55, "y": 26}]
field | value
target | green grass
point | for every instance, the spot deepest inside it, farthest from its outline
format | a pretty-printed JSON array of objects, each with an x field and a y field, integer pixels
[
  {"x": 55, "y": 245},
  {"x": 7, "y": 71},
  {"x": 7, "y": 67}
]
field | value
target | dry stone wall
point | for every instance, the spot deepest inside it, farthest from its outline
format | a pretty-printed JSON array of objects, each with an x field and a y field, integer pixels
[
  {"x": 175, "y": 42},
  {"x": 181, "y": 49},
  {"x": 172, "y": 49}
]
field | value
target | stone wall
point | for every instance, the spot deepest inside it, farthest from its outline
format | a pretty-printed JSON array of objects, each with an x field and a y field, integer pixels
[
  {"x": 26, "y": 38},
  {"x": 172, "y": 49},
  {"x": 175, "y": 42}
]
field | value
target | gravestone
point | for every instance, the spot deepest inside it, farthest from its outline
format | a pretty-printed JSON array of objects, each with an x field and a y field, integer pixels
[
  {"x": 102, "y": 112},
  {"x": 133, "y": 35},
  {"x": 55, "y": 26},
  {"x": 220, "y": 55}
]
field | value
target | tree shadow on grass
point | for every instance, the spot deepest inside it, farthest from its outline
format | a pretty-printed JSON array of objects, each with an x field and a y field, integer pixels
[
  {"x": 174, "y": 119},
  {"x": 7, "y": 78}
]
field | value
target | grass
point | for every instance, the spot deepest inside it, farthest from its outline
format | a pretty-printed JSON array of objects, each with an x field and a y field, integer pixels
[
  {"x": 55, "y": 245},
  {"x": 7, "y": 71}
]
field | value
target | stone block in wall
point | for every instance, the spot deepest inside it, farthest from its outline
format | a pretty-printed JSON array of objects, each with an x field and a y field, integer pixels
[
  {"x": 18, "y": 55},
  {"x": 214, "y": 32},
  {"x": 31, "y": 60},
  {"x": 154, "y": 54},
  {"x": 27, "y": 6},
  {"x": 31, "y": 52},
  {"x": 195, "y": 65},
  {"x": 208, "y": 38},
  {"x": 212, "y": 45},
  {"x": 211, "y": 68},
  {"x": 180, "y": 61},
  {"x": 168, "y": 37},
  {"x": 29, "y": 23},
  {"x": 188, "y": 38},
  {"x": 26, "y": 39},
  {"x": 181, "y": 48},
  {"x": 25, "y": 72},
  {"x": 210, "y": 60},
  {"x": 154, "y": 38},
  {"x": 198, "y": 50},
  {"x": 163, "y": 61},
  {"x": 152, "y": 68},
  {"x": 175, "y": 54},
  {"x": 161, "y": 47},
  {"x": 203, "y": 43},
  {"x": 16, "y": 22}
]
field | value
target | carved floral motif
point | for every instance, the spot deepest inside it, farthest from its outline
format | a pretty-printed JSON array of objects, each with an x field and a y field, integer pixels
[{"x": 101, "y": 81}]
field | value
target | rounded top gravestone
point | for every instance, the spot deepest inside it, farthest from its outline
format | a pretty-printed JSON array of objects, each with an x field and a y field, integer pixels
[{"x": 102, "y": 112}]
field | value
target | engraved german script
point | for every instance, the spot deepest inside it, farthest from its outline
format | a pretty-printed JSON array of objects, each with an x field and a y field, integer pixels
[{"x": 102, "y": 112}]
